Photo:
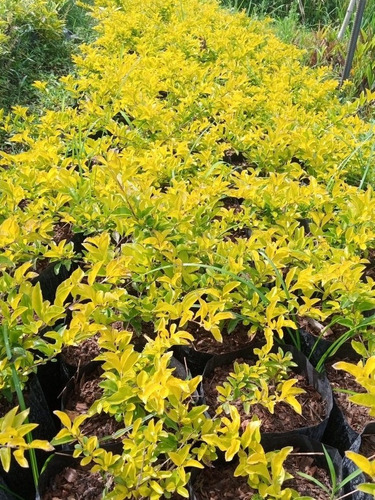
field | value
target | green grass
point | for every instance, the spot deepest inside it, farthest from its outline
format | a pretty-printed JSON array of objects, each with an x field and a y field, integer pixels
[
  {"x": 313, "y": 25},
  {"x": 39, "y": 48},
  {"x": 310, "y": 13}
]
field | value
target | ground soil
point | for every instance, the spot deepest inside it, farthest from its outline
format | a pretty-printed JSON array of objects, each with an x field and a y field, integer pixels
[
  {"x": 23, "y": 203},
  {"x": 81, "y": 354},
  {"x": 139, "y": 339},
  {"x": 305, "y": 463},
  {"x": 284, "y": 418},
  {"x": 41, "y": 265},
  {"x": 89, "y": 349},
  {"x": 205, "y": 342},
  {"x": 367, "y": 448},
  {"x": 232, "y": 203},
  {"x": 235, "y": 234},
  {"x": 357, "y": 416},
  {"x": 217, "y": 483},
  {"x": 79, "y": 399},
  {"x": 77, "y": 484},
  {"x": 62, "y": 231}
]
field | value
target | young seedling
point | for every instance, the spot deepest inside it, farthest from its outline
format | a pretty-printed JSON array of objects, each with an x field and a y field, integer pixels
[{"x": 336, "y": 486}]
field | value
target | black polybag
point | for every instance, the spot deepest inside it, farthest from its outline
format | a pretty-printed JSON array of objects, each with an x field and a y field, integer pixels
[
  {"x": 317, "y": 380},
  {"x": 19, "y": 479},
  {"x": 349, "y": 466}
]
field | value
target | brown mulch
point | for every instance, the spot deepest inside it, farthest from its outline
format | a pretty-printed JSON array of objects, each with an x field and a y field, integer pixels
[
  {"x": 83, "y": 353},
  {"x": 239, "y": 233},
  {"x": 118, "y": 325},
  {"x": 305, "y": 463},
  {"x": 357, "y": 416},
  {"x": 367, "y": 449},
  {"x": 85, "y": 392},
  {"x": 284, "y": 418},
  {"x": 77, "y": 484},
  {"x": 218, "y": 483},
  {"x": 232, "y": 203},
  {"x": 139, "y": 340},
  {"x": 41, "y": 265},
  {"x": 62, "y": 231},
  {"x": 234, "y": 158},
  {"x": 23, "y": 203},
  {"x": 205, "y": 342},
  {"x": 368, "y": 446}
]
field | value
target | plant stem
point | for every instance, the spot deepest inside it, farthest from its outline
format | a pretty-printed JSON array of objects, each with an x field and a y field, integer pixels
[
  {"x": 331, "y": 351},
  {"x": 21, "y": 401}
]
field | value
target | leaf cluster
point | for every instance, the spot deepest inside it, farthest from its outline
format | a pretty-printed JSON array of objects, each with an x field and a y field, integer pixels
[{"x": 266, "y": 382}]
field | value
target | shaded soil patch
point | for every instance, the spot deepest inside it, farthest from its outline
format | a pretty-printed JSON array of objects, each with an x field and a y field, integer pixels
[
  {"x": 218, "y": 483},
  {"x": 80, "y": 398},
  {"x": 85, "y": 391},
  {"x": 41, "y": 265},
  {"x": 77, "y": 484},
  {"x": 62, "y": 231},
  {"x": 234, "y": 158},
  {"x": 367, "y": 448},
  {"x": 284, "y": 418},
  {"x": 144, "y": 329},
  {"x": 232, "y": 203},
  {"x": 205, "y": 342},
  {"x": 305, "y": 463},
  {"x": 357, "y": 416},
  {"x": 81, "y": 354},
  {"x": 234, "y": 234}
]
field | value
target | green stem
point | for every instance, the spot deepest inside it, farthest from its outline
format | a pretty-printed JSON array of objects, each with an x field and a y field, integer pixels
[
  {"x": 339, "y": 342},
  {"x": 21, "y": 401},
  {"x": 321, "y": 335}
]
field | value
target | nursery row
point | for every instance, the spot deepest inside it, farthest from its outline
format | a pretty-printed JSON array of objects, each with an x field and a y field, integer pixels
[
  {"x": 204, "y": 188},
  {"x": 147, "y": 427}
]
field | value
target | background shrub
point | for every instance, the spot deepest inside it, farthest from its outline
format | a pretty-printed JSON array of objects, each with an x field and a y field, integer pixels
[{"x": 37, "y": 39}]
